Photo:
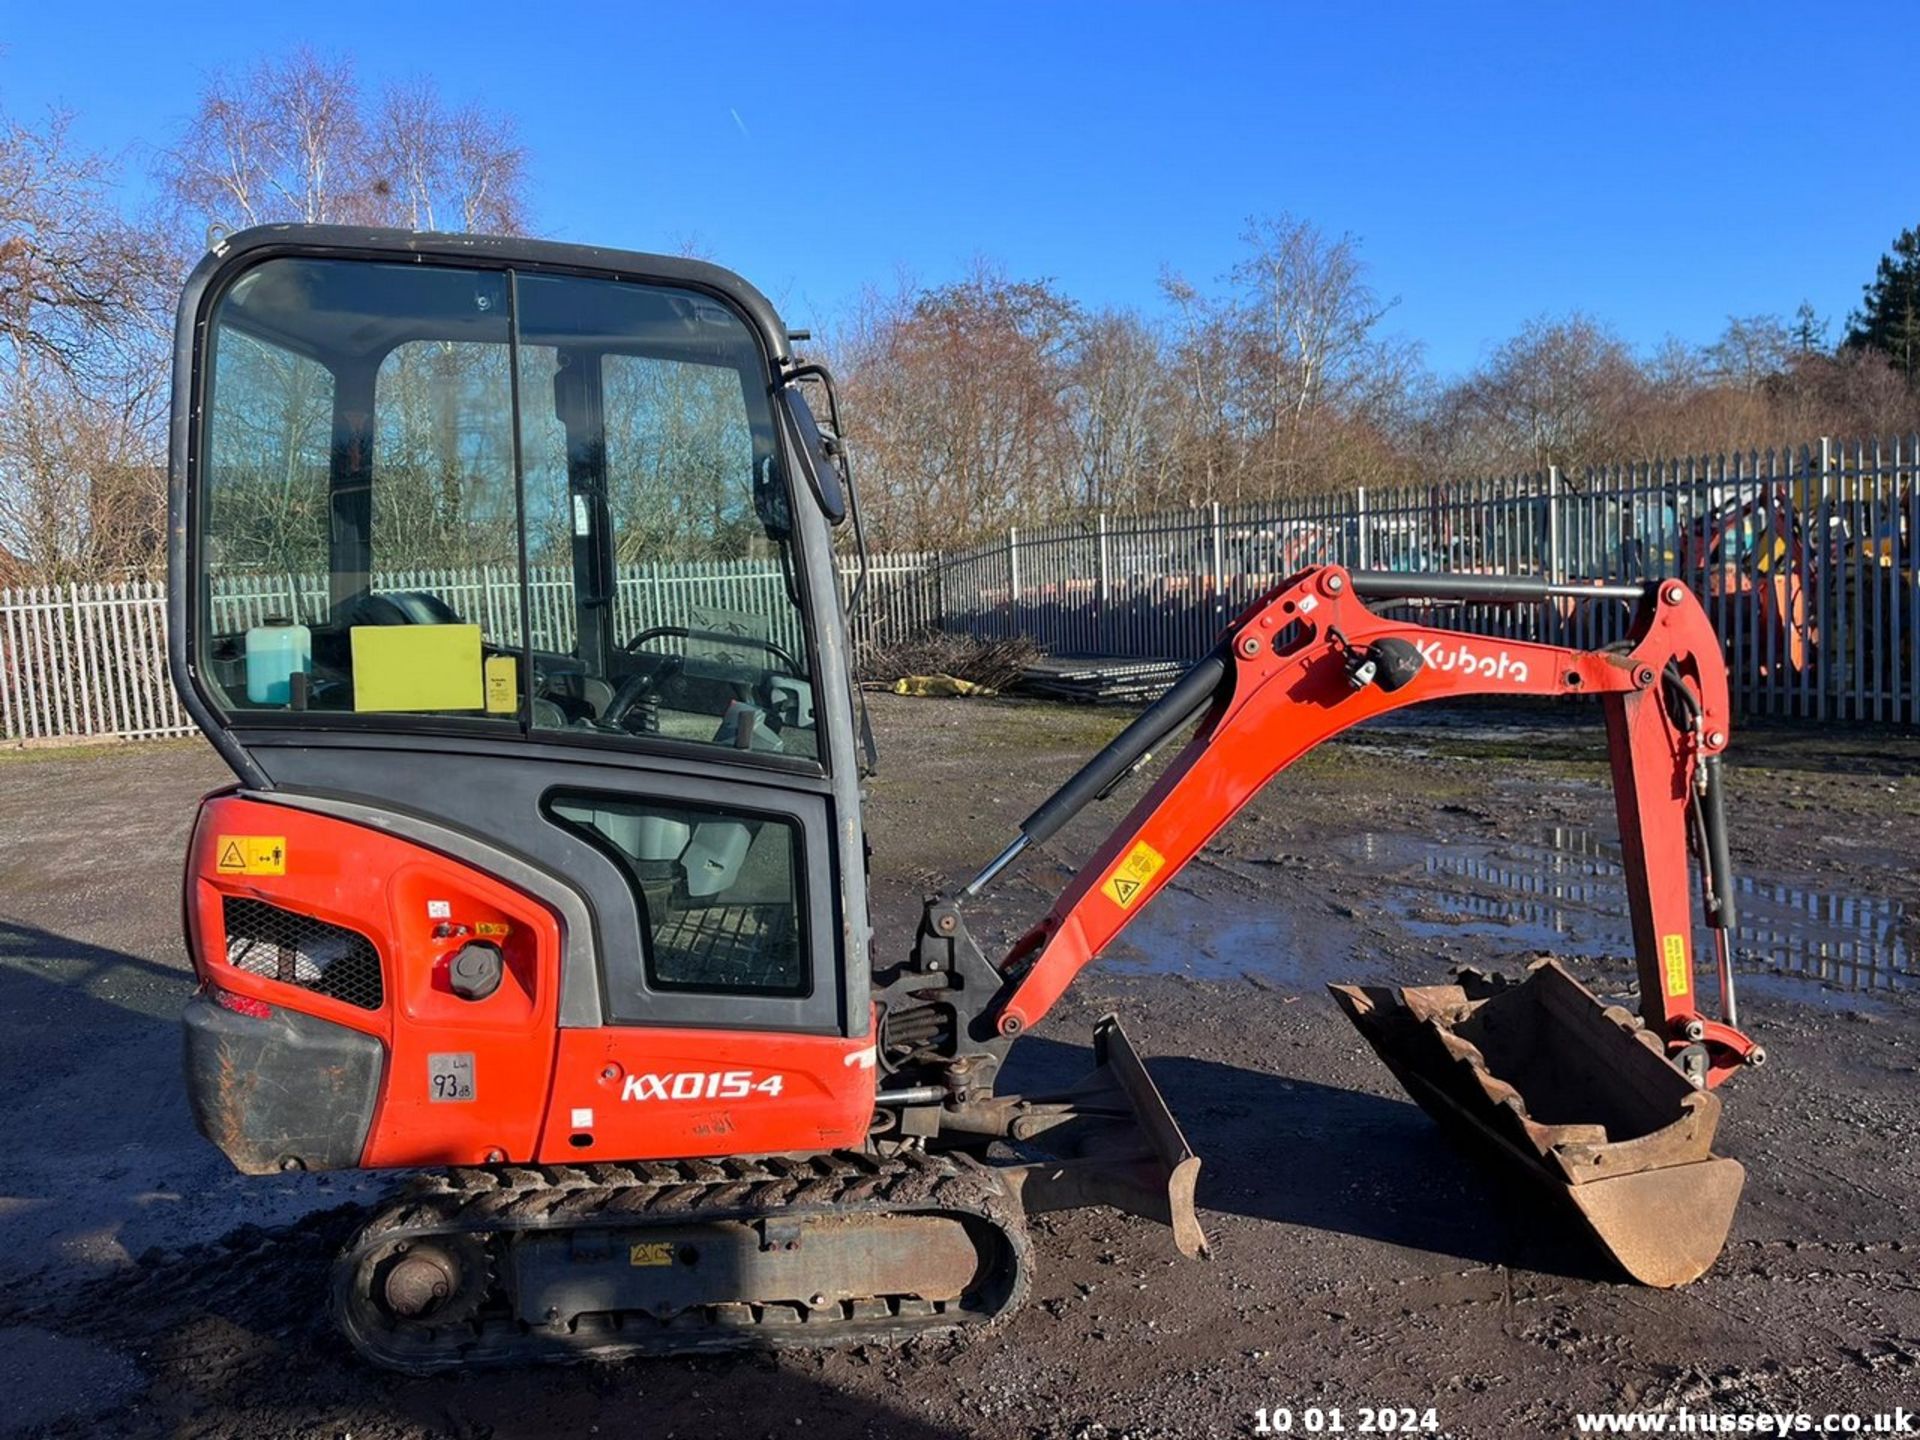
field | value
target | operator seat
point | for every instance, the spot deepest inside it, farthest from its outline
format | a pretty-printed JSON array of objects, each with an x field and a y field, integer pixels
[
  {"x": 332, "y": 646},
  {"x": 398, "y": 607}
]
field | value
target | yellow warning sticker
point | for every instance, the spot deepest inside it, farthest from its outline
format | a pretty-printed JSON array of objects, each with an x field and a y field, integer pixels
[
  {"x": 491, "y": 929},
  {"x": 251, "y": 855},
  {"x": 650, "y": 1253},
  {"x": 1131, "y": 875},
  {"x": 502, "y": 675},
  {"x": 1679, "y": 978}
]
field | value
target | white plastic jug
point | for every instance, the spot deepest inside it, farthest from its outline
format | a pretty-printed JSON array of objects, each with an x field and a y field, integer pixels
[{"x": 275, "y": 650}]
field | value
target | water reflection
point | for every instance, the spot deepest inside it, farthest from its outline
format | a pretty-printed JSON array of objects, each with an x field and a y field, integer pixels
[{"x": 1568, "y": 896}]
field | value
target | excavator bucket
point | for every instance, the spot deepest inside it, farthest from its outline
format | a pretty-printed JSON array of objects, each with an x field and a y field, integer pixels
[{"x": 1575, "y": 1093}]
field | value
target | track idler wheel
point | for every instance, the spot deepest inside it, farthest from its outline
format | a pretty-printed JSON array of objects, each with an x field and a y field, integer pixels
[{"x": 425, "y": 1284}]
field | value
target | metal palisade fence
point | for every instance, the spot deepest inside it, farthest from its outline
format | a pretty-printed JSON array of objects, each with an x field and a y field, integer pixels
[
  {"x": 90, "y": 661},
  {"x": 1805, "y": 560}
]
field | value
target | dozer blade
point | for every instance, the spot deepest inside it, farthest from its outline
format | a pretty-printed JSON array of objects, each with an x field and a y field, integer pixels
[
  {"x": 1122, "y": 1145},
  {"x": 1576, "y": 1094}
]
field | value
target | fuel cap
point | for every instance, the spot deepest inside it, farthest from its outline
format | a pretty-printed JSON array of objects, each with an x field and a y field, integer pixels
[{"x": 476, "y": 969}]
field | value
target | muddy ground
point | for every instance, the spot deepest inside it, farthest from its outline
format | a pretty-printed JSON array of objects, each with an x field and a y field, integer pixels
[{"x": 1358, "y": 1259}]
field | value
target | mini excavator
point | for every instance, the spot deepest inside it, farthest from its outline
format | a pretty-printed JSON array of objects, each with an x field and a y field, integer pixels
[{"x": 503, "y": 579}]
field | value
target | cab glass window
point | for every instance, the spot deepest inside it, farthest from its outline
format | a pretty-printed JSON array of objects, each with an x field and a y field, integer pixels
[
  {"x": 370, "y": 542},
  {"x": 659, "y": 506},
  {"x": 718, "y": 893},
  {"x": 359, "y": 523}
]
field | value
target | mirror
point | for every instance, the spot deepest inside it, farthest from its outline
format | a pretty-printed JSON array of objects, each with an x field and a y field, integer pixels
[{"x": 820, "y": 455}]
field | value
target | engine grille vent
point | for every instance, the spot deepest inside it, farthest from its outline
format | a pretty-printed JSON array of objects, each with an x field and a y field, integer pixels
[{"x": 297, "y": 949}]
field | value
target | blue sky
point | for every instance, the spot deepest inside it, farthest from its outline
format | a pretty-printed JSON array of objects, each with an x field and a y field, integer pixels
[{"x": 1658, "y": 166}]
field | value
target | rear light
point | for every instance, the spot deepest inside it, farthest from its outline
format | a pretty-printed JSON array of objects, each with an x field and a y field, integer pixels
[{"x": 240, "y": 1004}]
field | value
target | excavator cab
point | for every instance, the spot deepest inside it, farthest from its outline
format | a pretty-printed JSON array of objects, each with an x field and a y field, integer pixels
[
  {"x": 507, "y": 567},
  {"x": 502, "y": 577}
]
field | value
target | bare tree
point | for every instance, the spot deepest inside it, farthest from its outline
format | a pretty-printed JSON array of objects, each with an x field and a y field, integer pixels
[
  {"x": 1308, "y": 317},
  {"x": 296, "y": 139},
  {"x": 487, "y": 176},
  {"x": 81, "y": 367},
  {"x": 1751, "y": 352},
  {"x": 1118, "y": 395},
  {"x": 437, "y": 168},
  {"x": 1201, "y": 429},
  {"x": 961, "y": 399},
  {"x": 1285, "y": 378},
  {"x": 282, "y": 141},
  {"x": 1555, "y": 394},
  {"x": 73, "y": 275}
]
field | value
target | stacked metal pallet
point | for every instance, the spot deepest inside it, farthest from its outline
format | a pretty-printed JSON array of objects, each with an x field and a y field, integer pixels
[{"x": 1099, "y": 680}]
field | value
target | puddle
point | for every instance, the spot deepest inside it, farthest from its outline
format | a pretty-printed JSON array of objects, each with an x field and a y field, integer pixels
[
  {"x": 1568, "y": 896},
  {"x": 1564, "y": 896},
  {"x": 1229, "y": 937}
]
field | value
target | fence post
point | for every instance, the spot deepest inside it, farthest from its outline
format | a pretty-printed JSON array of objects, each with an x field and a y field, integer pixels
[
  {"x": 1100, "y": 611},
  {"x": 1826, "y": 572},
  {"x": 1013, "y": 580},
  {"x": 1216, "y": 580},
  {"x": 1553, "y": 524},
  {"x": 80, "y": 695},
  {"x": 1362, "y": 542}
]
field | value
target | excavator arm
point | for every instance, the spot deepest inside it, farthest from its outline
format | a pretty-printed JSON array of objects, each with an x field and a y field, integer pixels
[
  {"x": 1613, "y": 1113},
  {"x": 1312, "y": 659}
]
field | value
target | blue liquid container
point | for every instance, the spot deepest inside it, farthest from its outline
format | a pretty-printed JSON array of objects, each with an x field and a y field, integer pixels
[{"x": 275, "y": 650}]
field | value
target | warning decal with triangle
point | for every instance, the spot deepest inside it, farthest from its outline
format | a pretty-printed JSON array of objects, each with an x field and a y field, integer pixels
[
  {"x": 250, "y": 855},
  {"x": 1131, "y": 875}
]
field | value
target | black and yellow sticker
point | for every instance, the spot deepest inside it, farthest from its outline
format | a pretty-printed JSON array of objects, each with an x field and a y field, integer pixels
[
  {"x": 502, "y": 682},
  {"x": 251, "y": 855},
  {"x": 1674, "y": 952},
  {"x": 491, "y": 929},
  {"x": 1130, "y": 876},
  {"x": 649, "y": 1253}
]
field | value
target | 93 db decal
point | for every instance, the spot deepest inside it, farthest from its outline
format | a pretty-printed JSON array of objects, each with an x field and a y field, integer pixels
[
  {"x": 450, "y": 1076},
  {"x": 700, "y": 1085}
]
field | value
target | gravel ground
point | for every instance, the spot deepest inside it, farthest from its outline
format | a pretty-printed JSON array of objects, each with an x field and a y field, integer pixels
[{"x": 1359, "y": 1260}]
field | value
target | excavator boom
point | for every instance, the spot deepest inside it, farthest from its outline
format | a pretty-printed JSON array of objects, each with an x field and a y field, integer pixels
[
  {"x": 1312, "y": 659},
  {"x": 1578, "y": 1093}
]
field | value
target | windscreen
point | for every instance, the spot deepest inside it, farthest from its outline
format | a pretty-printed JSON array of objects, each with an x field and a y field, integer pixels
[{"x": 531, "y": 502}]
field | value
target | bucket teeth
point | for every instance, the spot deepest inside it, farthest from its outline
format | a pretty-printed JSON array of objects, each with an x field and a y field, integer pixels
[{"x": 1577, "y": 1096}]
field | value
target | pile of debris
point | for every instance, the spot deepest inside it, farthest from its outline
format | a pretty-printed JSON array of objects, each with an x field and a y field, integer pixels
[
  {"x": 993, "y": 664},
  {"x": 1099, "y": 680}
]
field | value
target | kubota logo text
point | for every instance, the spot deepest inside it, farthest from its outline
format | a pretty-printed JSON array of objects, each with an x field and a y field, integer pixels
[
  {"x": 700, "y": 1085},
  {"x": 1467, "y": 661}
]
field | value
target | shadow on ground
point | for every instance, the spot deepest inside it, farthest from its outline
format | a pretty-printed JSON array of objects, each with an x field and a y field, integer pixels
[{"x": 1302, "y": 1153}]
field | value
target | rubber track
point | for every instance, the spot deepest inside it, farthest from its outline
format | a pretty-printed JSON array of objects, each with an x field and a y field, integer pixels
[{"x": 508, "y": 1199}]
